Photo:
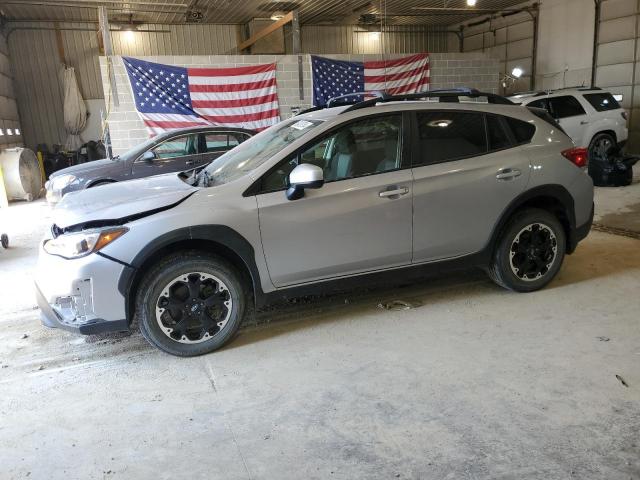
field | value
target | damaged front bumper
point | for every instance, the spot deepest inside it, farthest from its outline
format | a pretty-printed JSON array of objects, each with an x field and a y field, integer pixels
[{"x": 65, "y": 292}]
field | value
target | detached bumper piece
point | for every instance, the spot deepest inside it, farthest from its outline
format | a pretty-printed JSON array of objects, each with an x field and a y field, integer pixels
[
  {"x": 74, "y": 313},
  {"x": 614, "y": 171}
]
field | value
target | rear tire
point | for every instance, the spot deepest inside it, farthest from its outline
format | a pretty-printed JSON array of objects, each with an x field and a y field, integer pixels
[
  {"x": 4, "y": 240},
  {"x": 600, "y": 146},
  {"x": 190, "y": 304},
  {"x": 530, "y": 251}
]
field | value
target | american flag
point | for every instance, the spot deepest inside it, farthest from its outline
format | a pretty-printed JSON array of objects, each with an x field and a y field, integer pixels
[
  {"x": 332, "y": 78},
  {"x": 168, "y": 97}
]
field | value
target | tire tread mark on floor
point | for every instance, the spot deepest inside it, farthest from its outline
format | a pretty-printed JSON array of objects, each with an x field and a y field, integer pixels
[
  {"x": 209, "y": 372},
  {"x": 616, "y": 231}
]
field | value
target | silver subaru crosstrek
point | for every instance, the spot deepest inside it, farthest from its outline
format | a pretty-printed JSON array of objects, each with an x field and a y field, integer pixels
[{"x": 382, "y": 189}]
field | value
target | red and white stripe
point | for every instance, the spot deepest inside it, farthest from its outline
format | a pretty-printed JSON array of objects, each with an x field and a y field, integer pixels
[
  {"x": 160, "y": 122},
  {"x": 244, "y": 97},
  {"x": 237, "y": 96},
  {"x": 402, "y": 75}
]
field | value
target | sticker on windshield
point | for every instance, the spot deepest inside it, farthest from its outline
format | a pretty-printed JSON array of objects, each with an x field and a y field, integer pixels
[{"x": 301, "y": 125}]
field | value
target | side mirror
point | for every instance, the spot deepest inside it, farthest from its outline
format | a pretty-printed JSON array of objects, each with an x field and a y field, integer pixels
[
  {"x": 148, "y": 156},
  {"x": 304, "y": 176}
]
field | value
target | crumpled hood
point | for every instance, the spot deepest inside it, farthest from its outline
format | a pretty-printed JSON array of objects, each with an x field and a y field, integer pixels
[{"x": 117, "y": 201}]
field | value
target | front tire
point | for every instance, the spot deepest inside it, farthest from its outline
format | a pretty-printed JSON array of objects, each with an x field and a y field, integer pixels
[
  {"x": 530, "y": 251},
  {"x": 190, "y": 304}
]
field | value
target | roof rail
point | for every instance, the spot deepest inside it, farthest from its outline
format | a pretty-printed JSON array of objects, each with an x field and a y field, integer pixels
[
  {"x": 339, "y": 101},
  {"x": 443, "y": 95},
  {"x": 540, "y": 93}
]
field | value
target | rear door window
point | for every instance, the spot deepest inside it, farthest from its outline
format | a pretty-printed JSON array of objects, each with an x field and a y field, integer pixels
[
  {"x": 448, "y": 135},
  {"x": 219, "y": 142},
  {"x": 602, "y": 101},
  {"x": 565, "y": 107}
]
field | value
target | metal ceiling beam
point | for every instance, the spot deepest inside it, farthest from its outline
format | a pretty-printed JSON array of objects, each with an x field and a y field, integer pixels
[
  {"x": 101, "y": 3},
  {"x": 84, "y": 7}
]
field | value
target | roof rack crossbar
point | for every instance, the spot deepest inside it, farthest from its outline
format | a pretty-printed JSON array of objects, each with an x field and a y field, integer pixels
[{"x": 334, "y": 101}]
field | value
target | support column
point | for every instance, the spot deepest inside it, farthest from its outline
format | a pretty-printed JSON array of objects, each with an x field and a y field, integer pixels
[
  {"x": 103, "y": 21},
  {"x": 295, "y": 34}
]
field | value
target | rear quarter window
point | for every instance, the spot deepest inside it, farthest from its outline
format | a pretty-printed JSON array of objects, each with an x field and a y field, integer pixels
[
  {"x": 566, "y": 106},
  {"x": 602, "y": 101},
  {"x": 522, "y": 131}
]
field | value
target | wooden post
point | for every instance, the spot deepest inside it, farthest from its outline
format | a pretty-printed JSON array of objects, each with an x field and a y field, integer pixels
[{"x": 61, "y": 53}]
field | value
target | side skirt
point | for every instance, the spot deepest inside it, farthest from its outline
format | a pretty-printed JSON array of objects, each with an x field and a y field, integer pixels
[{"x": 371, "y": 279}]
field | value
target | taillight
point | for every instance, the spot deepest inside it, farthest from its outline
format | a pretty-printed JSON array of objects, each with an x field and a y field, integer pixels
[
  {"x": 578, "y": 156},
  {"x": 624, "y": 115}
]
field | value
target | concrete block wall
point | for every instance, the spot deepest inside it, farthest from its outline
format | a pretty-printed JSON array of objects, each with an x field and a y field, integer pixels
[{"x": 448, "y": 70}]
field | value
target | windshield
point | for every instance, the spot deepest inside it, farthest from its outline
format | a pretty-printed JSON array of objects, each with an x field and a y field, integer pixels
[{"x": 254, "y": 152}]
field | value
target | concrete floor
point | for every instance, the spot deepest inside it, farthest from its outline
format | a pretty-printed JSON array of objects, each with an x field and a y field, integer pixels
[
  {"x": 619, "y": 208},
  {"x": 473, "y": 383}
]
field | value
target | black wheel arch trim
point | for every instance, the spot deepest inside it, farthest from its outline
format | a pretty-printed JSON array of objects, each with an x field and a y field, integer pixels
[
  {"x": 552, "y": 191},
  {"x": 97, "y": 181},
  {"x": 220, "y": 234}
]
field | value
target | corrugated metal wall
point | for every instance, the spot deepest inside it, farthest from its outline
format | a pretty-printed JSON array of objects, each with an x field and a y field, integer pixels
[
  {"x": 352, "y": 39},
  {"x": 10, "y": 128},
  {"x": 618, "y": 69},
  {"x": 37, "y": 68},
  {"x": 509, "y": 39}
]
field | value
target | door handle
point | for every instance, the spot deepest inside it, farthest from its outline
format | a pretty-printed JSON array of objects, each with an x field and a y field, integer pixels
[
  {"x": 396, "y": 192},
  {"x": 584, "y": 122},
  {"x": 508, "y": 173},
  {"x": 189, "y": 162}
]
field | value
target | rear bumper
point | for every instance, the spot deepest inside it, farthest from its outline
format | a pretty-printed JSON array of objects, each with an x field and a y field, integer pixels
[{"x": 580, "y": 233}]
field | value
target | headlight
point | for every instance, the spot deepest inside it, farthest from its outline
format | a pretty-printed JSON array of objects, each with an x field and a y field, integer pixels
[
  {"x": 58, "y": 183},
  {"x": 76, "y": 245}
]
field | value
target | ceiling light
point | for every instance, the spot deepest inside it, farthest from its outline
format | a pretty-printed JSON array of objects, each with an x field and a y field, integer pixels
[
  {"x": 129, "y": 35},
  {"x": 517, "y": 72},
  {"x": 275, "y": 16},
  {"x": 471, "y": 3}
]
